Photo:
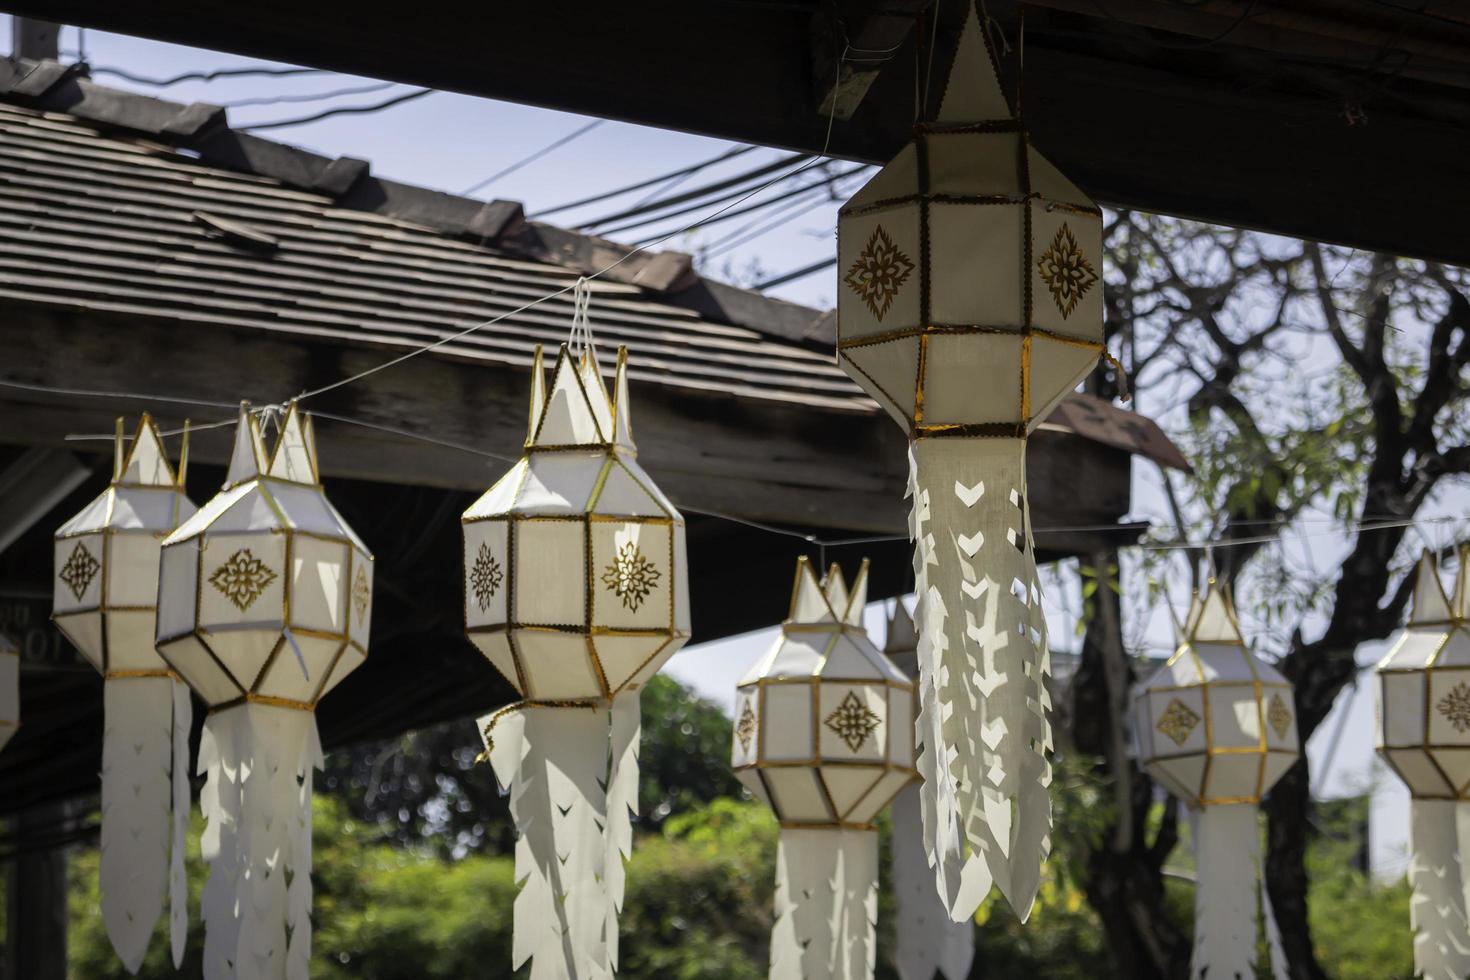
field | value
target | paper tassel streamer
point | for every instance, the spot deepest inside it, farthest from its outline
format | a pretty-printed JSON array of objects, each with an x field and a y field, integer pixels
[
  {"x": 104, "y": 598},
  {"x": 576, "y": 589},
  {"x": 824, "y": 736},
  {"x": 1424, "y": 736},
  {"x": 928, "y": 939},
  {"x": 264, "y": 606},
  {"x": 1217, "y": 728},
  {"x": 9, "y": 690},
  {"x": 970, "y": 304}
]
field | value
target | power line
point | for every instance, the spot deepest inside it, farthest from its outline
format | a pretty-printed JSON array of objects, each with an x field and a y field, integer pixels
[
  {"x": 796, "y": 274},
  {"x": 563, "y": 141},
  {"x": 308, "y": 97},
  {"x": 338, "y": 111},
  {"x": 701, "y": 192},
  {"x": 748, "y": 209},
  {"x": 662, "y": 178},
  {"x": 203, "y": 76},
  {"x": 721, "y": 241},
  {"x": 785, "y": 215}
]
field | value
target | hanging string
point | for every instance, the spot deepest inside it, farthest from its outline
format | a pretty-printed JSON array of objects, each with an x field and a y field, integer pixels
[
  {"x": 1368, "y": 523},
  {"x": 581, "y": 339}
]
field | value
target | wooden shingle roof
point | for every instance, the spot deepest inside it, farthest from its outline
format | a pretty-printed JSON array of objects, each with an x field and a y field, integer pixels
[{"x": 113, "y": 223}]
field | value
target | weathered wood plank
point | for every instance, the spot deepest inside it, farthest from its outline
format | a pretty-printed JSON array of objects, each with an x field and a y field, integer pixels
[{"x": 762, "y": 461}]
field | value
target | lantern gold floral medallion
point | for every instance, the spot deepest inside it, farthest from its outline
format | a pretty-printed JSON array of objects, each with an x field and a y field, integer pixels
[
  {"x": 825, "y": 738},
  {"x": 970, "y": 304},
  {"x": 575, "y": 589},
  {"x": 264, "y": 606}
]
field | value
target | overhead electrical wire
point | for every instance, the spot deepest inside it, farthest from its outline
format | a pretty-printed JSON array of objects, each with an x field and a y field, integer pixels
[
  {"x": 752, "y": 207},
  {"x": 308, "y": 96},
  {"x": 532, "y": 158},
  {"x": 769, "y": 223},
  {"x": 703, "y": 193},
  {"x": 349, "y": 110},
  {"x": 824, "y": 194},
  {"x": 796, "y": 274},
  {"x": 660, "y": 179},
  {"x": 202, "y": 76}
]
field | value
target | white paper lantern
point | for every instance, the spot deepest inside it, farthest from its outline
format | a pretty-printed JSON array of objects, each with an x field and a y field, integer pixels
[
  {"x": 264, "y": 606},
  {"x": 1217, "y": 727},
  {"x": 824, "y": 736},
  {"x": 9, "y": 690},
  {"x": 970, "y": 304},
  {"x": 576, "y": 589},
  {"x": 927, "y": 939},
  {"x": 1423, "y": 688},
  {"x": 104, "y": 597}
]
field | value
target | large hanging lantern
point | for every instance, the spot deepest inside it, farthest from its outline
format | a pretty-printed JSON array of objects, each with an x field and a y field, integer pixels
[
  {"x": 970, "y": 304},
  {"x": 1424, "y": 736},
  {"x": 1217, "y": 727},
  {"x": 9, "y": 689},
  {"x": 927, "y": 939},
  {"x": 104, "y": 598},
  {"x": 824, "y": 736},
  {"x": 576, "y": 589},
  {"x": 264, "y": 606}
]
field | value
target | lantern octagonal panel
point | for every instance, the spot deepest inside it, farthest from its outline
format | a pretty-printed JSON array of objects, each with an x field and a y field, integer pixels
[
  {"x": 265, "y": 594},
  {"x": 105, "y": 588},
  {"x": 823, "y": 721},
  {"x": 575, "y": 576},
  {"x": 969, "y": 255},
  {"x": 1423, "y": 688},
  {"x": 1215, "y": 724}
]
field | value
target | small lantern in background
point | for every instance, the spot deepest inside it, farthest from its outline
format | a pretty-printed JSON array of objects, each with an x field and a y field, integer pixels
[
  {"x": 1424, "y": 735},
  {"x": 264, "y": 606},
  {"x": 970, "y": 304},
  {"x": 926, "y": 937},
  {"x": 824, "y": 736},
  {"x": 9, "y": 689},
  {"x": 576, "y": 590},
  {"x": 1217, "y": 727},
  {"x": 104, "y": 599}
]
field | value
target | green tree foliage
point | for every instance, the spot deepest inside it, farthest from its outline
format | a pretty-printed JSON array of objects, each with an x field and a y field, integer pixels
[{"x": 424, "y": 789}]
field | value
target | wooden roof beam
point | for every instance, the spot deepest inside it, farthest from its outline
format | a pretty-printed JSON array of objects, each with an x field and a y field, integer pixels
[{"x": 852, "y": 41}]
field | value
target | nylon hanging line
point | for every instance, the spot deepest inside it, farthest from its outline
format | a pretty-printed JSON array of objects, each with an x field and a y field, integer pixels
[{"x": 581, "y": 339}]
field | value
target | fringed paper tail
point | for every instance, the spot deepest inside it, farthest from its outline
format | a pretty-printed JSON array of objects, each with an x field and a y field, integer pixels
[
  {"x": 257, "y": 804},
  {"x": 927, "y": 938},
  {"x": 1437, "y": 907},
  {"x": 178, "y": 886},
  {"x": 622, "y": 806},
  {"x": 982, "y": 665},
  {"x": 1226, "y": 849},
  {"x": 555, "y": 762},
  {"x": 826, "y": 905},
  {"x": 137, "y": 761},
  {"x": 856, "y": 891}
]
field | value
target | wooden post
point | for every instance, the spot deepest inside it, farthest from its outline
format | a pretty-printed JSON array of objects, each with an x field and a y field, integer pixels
[
  {"x": 35, "y": 901},
  {"x": 34, "y": 39}
]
